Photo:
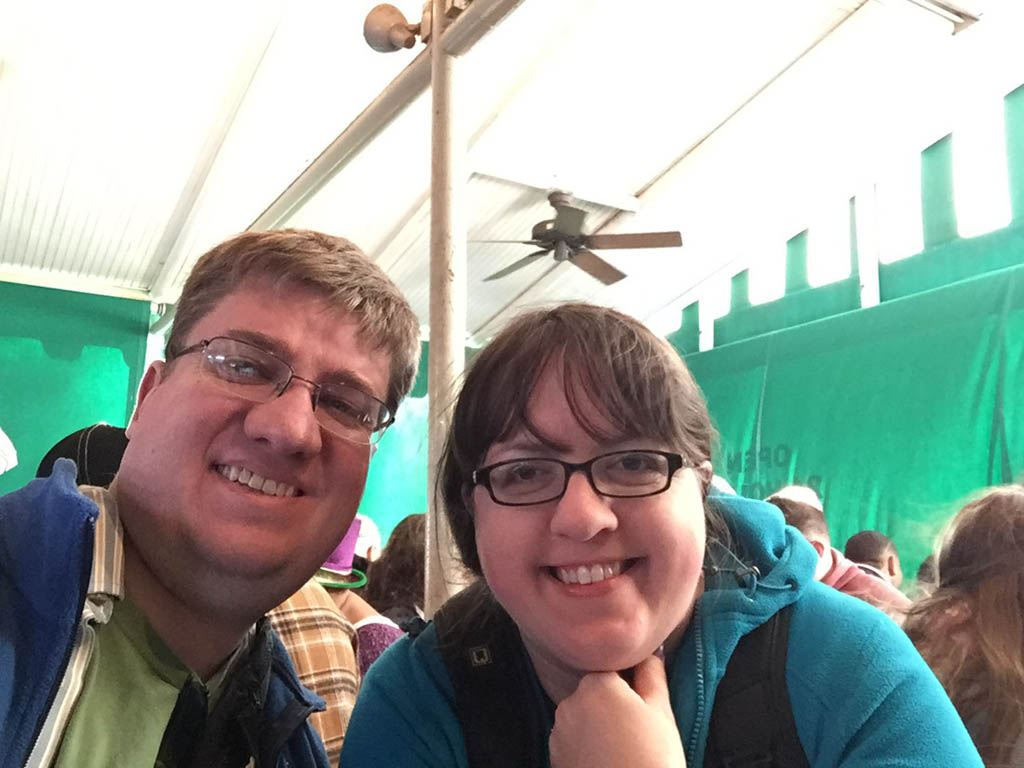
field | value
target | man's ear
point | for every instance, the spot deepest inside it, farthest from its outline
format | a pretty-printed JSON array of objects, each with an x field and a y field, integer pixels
[
  {"x": 152, "y": 378},
  {"x": 819, "y": 547}
]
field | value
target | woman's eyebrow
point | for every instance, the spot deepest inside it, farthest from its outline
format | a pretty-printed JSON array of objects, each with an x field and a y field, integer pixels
[{"x": 531, "y": 443}]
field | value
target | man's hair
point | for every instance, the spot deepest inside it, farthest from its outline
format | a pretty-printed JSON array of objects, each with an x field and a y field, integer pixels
[
  {"x": 807, "y": 519},
  {"x": 330, "y": 266},
  {"x": 971, "y": 629},
  {"x": 869, "y": 547},
  {"x": 607, "y": 359}
]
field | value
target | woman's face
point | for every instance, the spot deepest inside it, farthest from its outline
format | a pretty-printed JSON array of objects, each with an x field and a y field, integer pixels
[{"x": 653, "y": 547}]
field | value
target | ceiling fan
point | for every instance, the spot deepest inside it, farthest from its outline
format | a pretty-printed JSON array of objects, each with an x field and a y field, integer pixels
[{"x": 563, "y": 237}]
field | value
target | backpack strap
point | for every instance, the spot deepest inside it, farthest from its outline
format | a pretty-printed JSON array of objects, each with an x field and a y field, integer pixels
[
  {"x": 752, "y": 723},
  {"x": 498, "y": 700}
]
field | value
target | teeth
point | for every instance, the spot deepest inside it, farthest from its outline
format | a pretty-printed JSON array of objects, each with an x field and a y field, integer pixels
[
  {"x": 256, "y": 482},
  {"x": 588, "y": 574}
]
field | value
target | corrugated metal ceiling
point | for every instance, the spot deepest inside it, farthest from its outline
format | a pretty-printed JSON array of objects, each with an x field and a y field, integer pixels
[{"x": 131, "y": 140}]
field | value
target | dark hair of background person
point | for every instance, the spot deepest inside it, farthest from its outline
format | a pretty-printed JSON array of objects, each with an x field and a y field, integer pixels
[
  {"x": 927, "y": 572},
  {"x": 971, "y": 629},
  {"x": 395, "y": 581},
  {"x": 636, "y": 380},
  {"x": 96, "y": 451},
  {"x": 805, "y": 518},
  {"x": 870, "y": 548}
]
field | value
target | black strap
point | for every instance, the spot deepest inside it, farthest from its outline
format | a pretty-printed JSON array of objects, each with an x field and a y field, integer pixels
[
  {"x": 497, "y": 697},
  {"x": 502, "y": 709},
  {"x": 752, "y": 723}
]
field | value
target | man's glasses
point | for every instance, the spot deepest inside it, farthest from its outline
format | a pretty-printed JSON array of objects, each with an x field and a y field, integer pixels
[
  {"x": 621, "y": 475},
  {"x": 252, "y": 373}
]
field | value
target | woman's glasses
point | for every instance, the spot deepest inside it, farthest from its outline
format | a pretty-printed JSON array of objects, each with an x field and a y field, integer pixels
[{"x": 620, "y": 474}]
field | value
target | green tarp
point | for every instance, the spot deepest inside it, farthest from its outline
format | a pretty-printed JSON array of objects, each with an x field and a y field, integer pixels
[{"x": 894, "y": 413}]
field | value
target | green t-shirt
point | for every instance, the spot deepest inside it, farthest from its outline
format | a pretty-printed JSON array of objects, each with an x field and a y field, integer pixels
[{"x": 131, "y": 686}]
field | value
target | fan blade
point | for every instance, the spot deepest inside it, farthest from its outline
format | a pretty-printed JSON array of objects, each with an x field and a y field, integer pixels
[
  {"x": 518, "y": 264},
  {"x": 597, "y": 267},
  {"x": 569, "y": 220},
  {"x": 637, "y": 240},
  {"x": 517, "y": 242}
]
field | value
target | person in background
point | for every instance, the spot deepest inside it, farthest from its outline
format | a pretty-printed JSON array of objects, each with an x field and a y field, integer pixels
[
  {"x": 927, "y": 576},
  {"x": 803, "y": 510},
  {"x": 876, "y": 554},
  {"x": 614, "y": 592},
  {"x": 373, "y": 633},
  {"x": 396, "y": 580},
  {"x": 96, "y": 451},
  {"x": 132, "y": 619},
  {"x": 971, "y": 629}
]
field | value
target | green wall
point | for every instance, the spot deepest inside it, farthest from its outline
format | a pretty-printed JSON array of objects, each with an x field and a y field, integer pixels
[{"x": 67, "y": 360}]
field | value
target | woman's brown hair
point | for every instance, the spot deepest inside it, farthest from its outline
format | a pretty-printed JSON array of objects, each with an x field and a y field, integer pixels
[
  {"x": 971, "y": 629},
  {"x": 637, "y": 380}
]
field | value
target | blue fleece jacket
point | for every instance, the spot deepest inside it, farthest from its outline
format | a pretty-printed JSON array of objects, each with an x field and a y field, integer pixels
[
  {"x": 46, "y": 550},
  {"x": 861, "y": 695}
]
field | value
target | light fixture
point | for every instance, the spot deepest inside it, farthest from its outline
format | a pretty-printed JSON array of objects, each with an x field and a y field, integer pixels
[{"x": 386, "y": 29}]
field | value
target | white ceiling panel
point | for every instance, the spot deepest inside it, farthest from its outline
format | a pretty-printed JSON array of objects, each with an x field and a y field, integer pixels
[{"x": 133, "y": 137}]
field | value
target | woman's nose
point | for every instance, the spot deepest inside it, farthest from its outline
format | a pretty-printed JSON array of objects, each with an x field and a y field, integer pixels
[{"x": 582, "y": 513}]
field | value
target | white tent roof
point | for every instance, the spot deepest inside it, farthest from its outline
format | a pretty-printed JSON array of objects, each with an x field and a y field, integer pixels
[{"x": 133, "y": 138}]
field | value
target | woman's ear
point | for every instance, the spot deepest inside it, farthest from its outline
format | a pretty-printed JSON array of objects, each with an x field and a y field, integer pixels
[{"x": 467, "y": 496}]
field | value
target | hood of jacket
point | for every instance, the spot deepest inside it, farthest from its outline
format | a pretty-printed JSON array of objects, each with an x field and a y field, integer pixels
[{"x": 765, "y": 567}]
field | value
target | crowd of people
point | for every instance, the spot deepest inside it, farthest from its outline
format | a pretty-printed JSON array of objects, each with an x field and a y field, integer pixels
[{"x": 191, "y": 591}]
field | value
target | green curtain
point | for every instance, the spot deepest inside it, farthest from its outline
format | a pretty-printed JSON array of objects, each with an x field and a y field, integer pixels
[
  {"x": 67, "y": 360},
  {"x": 894, "y": 413}
]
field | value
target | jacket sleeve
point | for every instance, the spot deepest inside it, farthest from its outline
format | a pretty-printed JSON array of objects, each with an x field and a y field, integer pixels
[
  {"x": 405, "y": 715},
  {"x": 862, "y": 696}
]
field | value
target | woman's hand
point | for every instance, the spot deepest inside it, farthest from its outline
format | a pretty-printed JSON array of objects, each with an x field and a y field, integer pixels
[{"x": 607, "y": 723}]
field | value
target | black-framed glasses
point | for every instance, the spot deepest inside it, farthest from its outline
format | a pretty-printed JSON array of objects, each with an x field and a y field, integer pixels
[
  {"x": 253, "y": 373},
  {"x": 619, "y": 474}
]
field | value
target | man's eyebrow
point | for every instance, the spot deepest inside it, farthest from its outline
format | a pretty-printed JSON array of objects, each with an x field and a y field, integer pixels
[
  {"x": 284, "y": 352},
  {"x": 261, "y": 340}
]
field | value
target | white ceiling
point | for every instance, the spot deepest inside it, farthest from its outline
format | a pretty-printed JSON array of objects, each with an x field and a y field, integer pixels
[{"x": 133, "y": 140}]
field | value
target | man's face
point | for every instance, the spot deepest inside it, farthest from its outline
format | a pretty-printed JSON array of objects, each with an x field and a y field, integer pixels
[{"x": 215, "y": 542}]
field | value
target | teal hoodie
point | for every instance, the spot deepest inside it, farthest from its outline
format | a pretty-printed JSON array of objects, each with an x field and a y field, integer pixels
[{"x": 861, "y": 695}]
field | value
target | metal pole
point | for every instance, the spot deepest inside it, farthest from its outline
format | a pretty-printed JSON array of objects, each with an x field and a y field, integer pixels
[{"x": 447, "y": 296}]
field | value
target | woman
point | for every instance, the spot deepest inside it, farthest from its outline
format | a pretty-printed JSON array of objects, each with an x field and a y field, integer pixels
[
  {"x": 575, "y": 482},
  {"x": 971, "y": 629}
]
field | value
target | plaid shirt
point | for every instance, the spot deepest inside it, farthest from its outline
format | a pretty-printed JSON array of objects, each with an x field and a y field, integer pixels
[{"x": 322, "y": 646}]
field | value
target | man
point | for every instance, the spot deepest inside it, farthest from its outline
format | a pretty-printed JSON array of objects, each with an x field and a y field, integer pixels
[
  {"x": 875, "y": 553},
  {"x": 803, "y": 510},
  {"x": 131, "y": 619}
]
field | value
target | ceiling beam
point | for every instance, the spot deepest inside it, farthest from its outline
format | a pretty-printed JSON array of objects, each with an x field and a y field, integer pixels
[{"x": 470, "y": 26}]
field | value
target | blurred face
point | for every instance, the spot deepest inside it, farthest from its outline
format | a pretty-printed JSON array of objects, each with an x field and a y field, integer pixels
[
  {"x": 232, "y": 504},
  {"x": 593, "y": 582}
]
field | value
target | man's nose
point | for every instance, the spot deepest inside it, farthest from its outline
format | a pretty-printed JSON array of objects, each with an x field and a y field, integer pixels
[
  {"x": 287, "y": 422},
  {"x": 582, "y": 513}
]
